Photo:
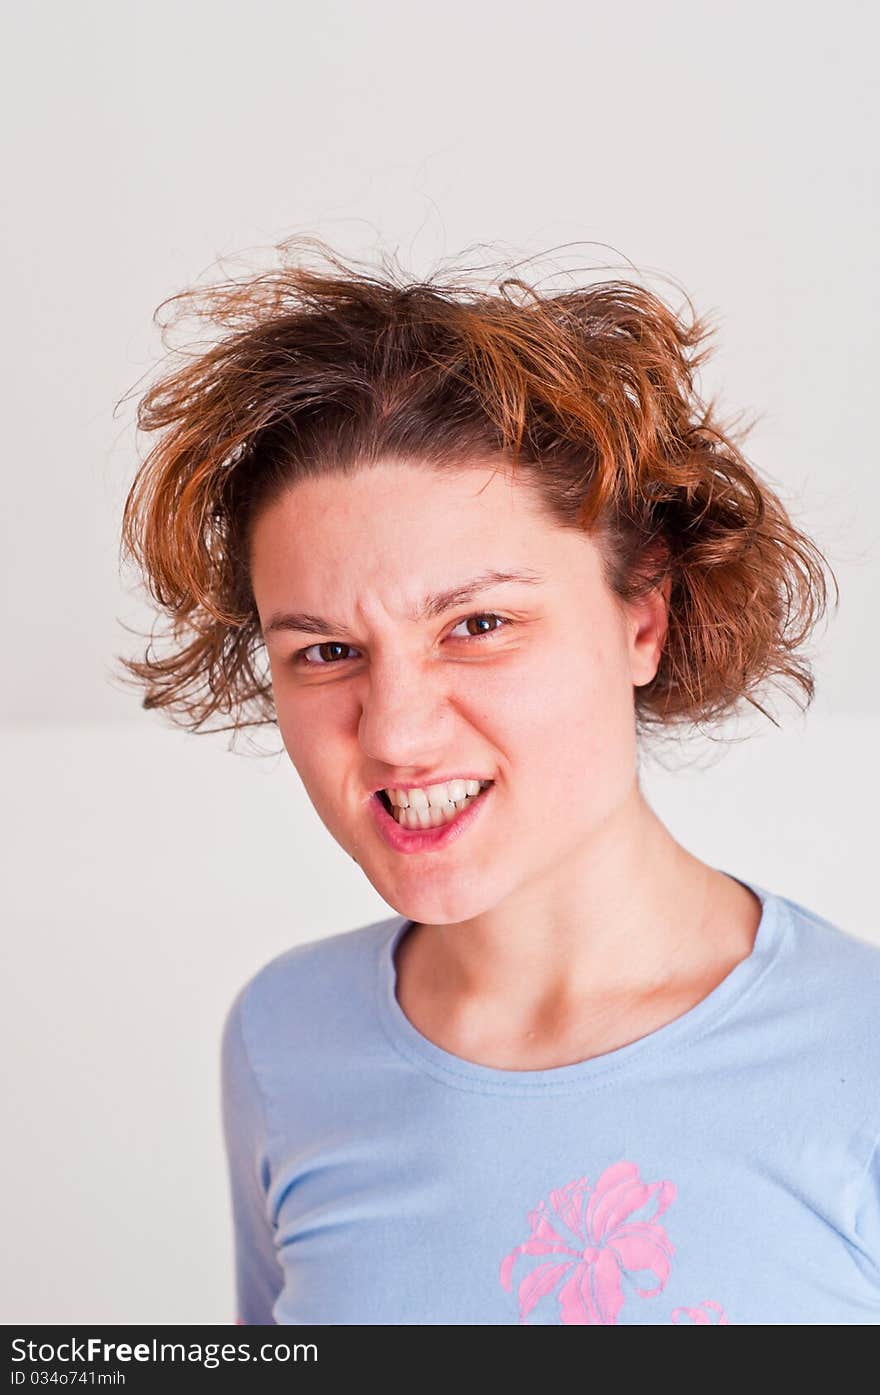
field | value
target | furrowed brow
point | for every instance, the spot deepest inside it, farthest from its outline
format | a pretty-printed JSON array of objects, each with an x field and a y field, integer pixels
[{"x": 430, "y": 608}]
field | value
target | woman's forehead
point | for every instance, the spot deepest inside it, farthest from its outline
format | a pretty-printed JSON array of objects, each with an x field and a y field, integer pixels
[{"x": 392, "y": 506}]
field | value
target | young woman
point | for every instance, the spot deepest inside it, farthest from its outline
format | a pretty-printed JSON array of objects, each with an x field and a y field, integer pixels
[{"x": 472, "y": 550}]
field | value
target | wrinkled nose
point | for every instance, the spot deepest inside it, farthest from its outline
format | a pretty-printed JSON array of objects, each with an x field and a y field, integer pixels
[{"x": 405, "y": 716}]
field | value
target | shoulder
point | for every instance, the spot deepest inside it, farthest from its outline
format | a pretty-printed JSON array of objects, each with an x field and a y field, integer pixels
[
  {"x": 827, "y": 985},
  {"x": 827, "y": 950},
  {"x": 308, "y": 990}
]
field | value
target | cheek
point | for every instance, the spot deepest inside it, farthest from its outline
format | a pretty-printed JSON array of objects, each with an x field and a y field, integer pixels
[
  {"x": 570, "y": 729},
  {"x": 310, "y": 733}
]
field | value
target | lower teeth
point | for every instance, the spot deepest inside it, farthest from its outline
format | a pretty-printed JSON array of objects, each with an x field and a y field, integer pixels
[{"x": 434, "y": 815}]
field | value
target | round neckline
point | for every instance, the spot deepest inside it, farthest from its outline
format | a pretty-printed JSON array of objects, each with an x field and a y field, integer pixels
[{"x": 460, "y": 1073}]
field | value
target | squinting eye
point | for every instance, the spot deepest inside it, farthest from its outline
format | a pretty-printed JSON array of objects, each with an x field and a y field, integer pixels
[
  {"x": 485, "y": 615},
  {"x": 331, "y": 644},
  {"x": 300, "y": 656}
]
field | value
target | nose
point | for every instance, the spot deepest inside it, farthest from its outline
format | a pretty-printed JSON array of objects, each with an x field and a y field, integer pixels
[{"x": 406, "y": 707}]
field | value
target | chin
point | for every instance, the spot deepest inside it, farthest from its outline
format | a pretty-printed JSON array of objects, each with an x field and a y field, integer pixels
[{"x": 428, "y": 904}]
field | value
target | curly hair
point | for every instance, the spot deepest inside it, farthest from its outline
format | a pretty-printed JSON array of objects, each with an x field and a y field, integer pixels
[{"x": 589, "y": 393}]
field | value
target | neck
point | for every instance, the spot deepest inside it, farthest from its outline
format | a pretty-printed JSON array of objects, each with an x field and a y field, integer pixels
[{"x": 619, "y": 917}]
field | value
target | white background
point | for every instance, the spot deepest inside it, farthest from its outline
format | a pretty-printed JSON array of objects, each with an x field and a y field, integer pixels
[{"x": 147, "y": 872}]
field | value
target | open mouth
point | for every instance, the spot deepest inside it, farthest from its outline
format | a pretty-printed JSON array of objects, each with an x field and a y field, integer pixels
[{"x": 436, "y": 815}]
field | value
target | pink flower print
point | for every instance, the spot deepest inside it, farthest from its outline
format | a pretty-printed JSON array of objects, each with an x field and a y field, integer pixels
[
  {"x": 701, "y": 1315},
  {"x": 608, "y": 1242}
]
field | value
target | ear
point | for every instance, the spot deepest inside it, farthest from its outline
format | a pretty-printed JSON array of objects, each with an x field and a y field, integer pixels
[{"x": 649, "y": 621}]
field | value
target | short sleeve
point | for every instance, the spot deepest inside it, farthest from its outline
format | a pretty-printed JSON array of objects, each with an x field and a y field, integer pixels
[{"x": 258, "y": 1275}]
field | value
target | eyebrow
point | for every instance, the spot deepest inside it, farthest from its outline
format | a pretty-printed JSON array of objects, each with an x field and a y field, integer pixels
[{"x": 430, "y": 608}]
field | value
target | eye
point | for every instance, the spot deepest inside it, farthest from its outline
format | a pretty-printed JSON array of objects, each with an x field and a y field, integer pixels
[
  {"x": 484, "y": 615},
  {"x": 327, "y": 646},
  {"x": 300, "y": 656}
]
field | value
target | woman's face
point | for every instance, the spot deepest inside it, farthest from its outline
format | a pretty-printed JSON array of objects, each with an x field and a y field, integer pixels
[{"x": 537, "y": 695}]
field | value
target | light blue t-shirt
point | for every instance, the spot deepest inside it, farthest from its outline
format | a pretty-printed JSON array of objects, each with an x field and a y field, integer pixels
[{"x": 722, "y": 1169}]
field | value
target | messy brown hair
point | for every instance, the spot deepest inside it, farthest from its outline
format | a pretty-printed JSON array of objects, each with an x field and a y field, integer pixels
[{"x": 589, "y": 393}]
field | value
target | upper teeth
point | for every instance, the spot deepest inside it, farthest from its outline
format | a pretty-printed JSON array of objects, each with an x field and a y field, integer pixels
[{"x": 436, "y": 795}]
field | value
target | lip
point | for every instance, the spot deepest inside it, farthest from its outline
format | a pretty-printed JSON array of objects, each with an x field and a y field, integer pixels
[{"x": 415, "y": 840}]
